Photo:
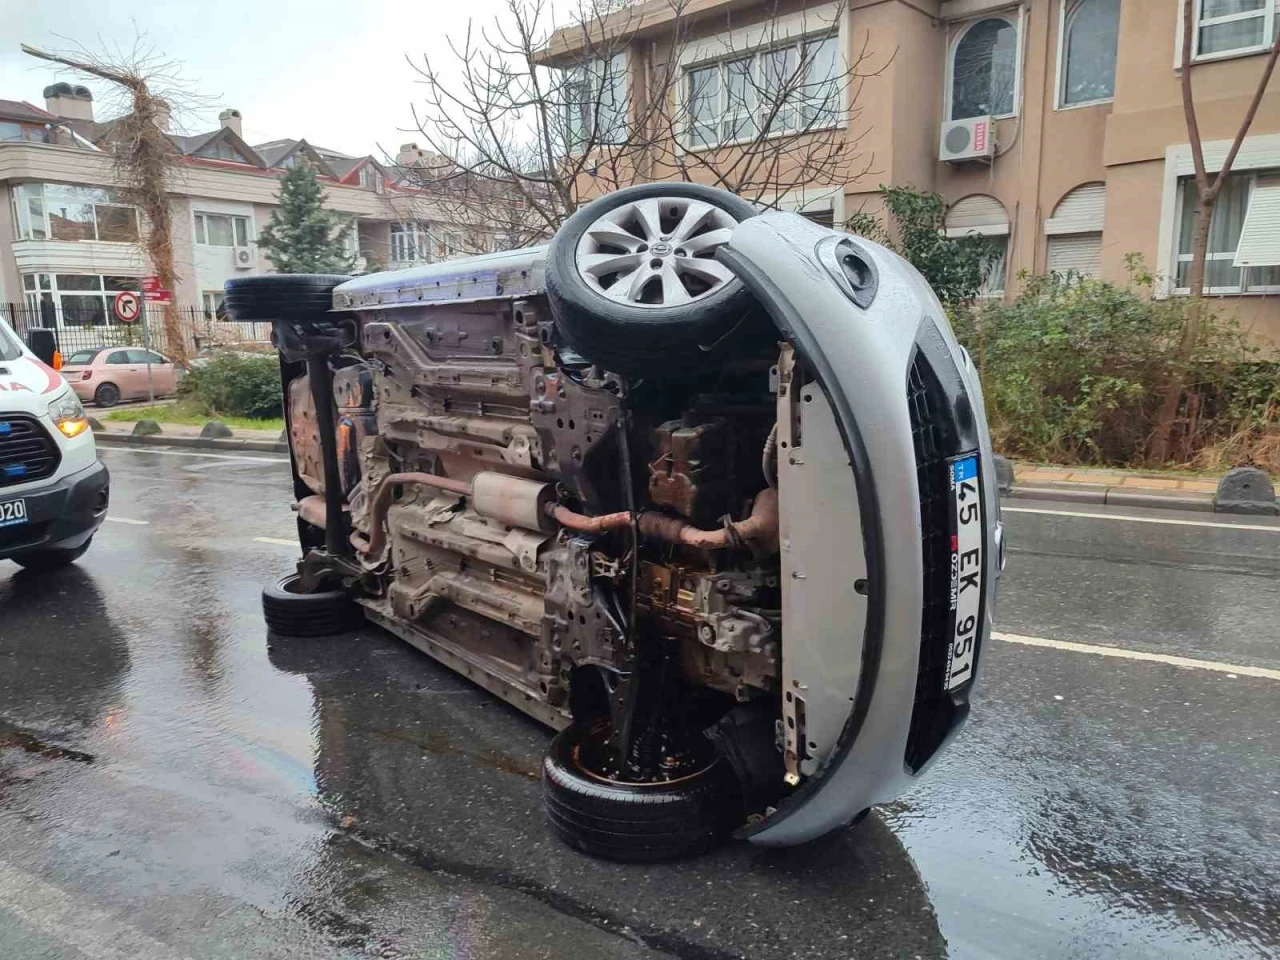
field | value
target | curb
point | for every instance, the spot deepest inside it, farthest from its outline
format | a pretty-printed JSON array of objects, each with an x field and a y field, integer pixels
[
  {"x": 1114, "y": 497},
  {"x": 160, "y": 440}
]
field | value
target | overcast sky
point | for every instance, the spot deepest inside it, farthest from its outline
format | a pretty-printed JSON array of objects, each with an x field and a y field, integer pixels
[{"x": 332, "y": 71}]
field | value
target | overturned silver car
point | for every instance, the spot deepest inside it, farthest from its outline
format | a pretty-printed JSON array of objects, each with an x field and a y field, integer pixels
[{"x": 707, "y": 490}]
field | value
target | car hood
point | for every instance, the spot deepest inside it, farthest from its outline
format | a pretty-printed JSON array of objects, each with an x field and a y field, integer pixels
[{"x": 27, "y": 385}]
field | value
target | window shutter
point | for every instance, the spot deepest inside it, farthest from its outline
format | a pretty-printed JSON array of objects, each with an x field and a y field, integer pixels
[
  {"x": 978, "y": 214},
  {"x": 1081, "y": 252},
  {"x": 1083, "y": 210},
  {"x": 1260, "y": 236}
]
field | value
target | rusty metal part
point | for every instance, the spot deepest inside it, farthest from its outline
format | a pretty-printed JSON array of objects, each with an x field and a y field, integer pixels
[
  {"x": 761, "y": 528},
  {"x": 311, "y": 509},
  {"x": 304, "y": 435},
  {"x": 511, "y": 500},
  {"x": 382, "y": 499},
  {"x": 688, "y": 472}
]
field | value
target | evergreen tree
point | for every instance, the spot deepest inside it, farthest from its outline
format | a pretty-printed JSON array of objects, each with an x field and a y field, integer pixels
[{"x": 302, "y": 236}]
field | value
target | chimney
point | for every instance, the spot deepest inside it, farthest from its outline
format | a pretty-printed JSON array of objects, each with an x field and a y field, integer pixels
[
  {"x": 230, "y": 118},
  {"x": 163, "y": 115},
  {"x": 409, "y": 156},
  {"x": 70, "y": 103}
]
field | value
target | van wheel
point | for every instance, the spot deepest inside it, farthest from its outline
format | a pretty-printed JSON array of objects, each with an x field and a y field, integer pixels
[
  {"x": 633, "y": 280},
  {"x": 107, "y": 395},
  {"x": 617, "y": 820},
  {"x": 291, "y": 613}
]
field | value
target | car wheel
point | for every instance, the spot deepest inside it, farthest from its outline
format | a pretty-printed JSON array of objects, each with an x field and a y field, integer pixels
[
  {"x": 635, "y": 821},
  {"x": 633, "y": 280},
  {"x": 279, "y": 296},
  {"x": 107, "y": 395},
  {"x": 292, "y": 613},
  {"x": 43, "y": 561}
]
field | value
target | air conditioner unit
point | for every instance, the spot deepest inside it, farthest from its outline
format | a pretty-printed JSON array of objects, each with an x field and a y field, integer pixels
[
  {"x": 242, "y": 257},
  {"x": 971, "y": 139}
]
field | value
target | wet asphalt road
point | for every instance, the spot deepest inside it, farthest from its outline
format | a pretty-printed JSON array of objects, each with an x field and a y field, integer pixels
[{"x": 170, "y": 786}]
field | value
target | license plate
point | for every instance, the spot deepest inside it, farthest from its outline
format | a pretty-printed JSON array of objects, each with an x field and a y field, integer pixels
[
  {"x": 12, "y": 512},
  {"x": 966, "y": 569}
]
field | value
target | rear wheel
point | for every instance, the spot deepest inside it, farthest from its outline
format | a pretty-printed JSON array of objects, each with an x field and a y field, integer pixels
[
  {"x": 633, "y": 279},
  {"x": 275, "y": 296},
  {"x": 292, "y": 613},
  {"x": 42, "y": 561},
  {"x": 107, "y": 395},
  {"x": 660, "y": 820}
]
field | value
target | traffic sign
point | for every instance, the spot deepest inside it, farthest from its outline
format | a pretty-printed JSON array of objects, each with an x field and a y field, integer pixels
[
  {"x": 152, "y": 292},
  {"x": 127, "y": 306}
]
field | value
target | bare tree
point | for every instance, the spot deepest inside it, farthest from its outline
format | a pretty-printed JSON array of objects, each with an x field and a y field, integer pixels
[
  {"x": 538, "y": 120},
  {"x": 1207, "y": 189},
  {"x": 150, "y": 87}
]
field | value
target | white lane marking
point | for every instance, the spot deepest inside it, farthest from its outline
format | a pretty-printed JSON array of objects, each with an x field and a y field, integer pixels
[
  {"x": 192, "y": 453},
  {"x": 70, "y": 920},
  {"x": 1124, "y": 516},
  {"x": 283, "y": 543},
  {"x": 1231, "y": 669},
  {"x": 136, "y": 523}
]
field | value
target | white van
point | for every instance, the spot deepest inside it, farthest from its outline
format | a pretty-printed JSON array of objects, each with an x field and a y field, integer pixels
[{"x": 53, "y": 490}]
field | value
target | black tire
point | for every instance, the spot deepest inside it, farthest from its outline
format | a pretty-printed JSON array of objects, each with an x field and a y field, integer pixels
[
  {"x": 107, "y": 395},
  {"x": 636, "y": 822},
  {"x": 45, "y": 561},
  {"x": 280, "y": 296},
  {"x": 638, "y": 339},
  {"x": 320, "y": 614}
]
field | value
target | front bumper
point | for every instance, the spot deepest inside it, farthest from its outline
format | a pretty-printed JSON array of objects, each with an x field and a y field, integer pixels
[{"x": 62, "y": 514}]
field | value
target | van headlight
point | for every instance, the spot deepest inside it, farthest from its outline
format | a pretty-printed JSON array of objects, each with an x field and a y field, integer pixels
[{"x": 68, "y": 415}]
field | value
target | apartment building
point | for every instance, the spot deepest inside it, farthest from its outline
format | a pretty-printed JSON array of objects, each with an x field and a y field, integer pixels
[
  {"x": 1054, "y": 127},
  {"x": 69, "y": 245}
]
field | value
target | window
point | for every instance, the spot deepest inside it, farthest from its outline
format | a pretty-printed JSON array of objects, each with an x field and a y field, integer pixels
[
  {"x": 984, "y": 216},
  {"x": 1226, "y": 28},
  {"x": 1074, "y": 231},
  {"x": 368, "y": 176},
  {"x": 82, "y": 357},
  {"x": 1221, "y": 275},
  {"x": 409, "y": 243},
  {"x": 49, "y": 211},
  {"x": 1090, "y": 34},
  {"x": 596, "y": 102},
  {"x": 212, "y": 301},
  {"x": 221, "y": 230},
  {"x": 220, "y": 150},
  {"x": 10, "y": 131},
  {"x": 984, "y": 70},
  {"x": 780, "y": 90},
  {"x": 74, "y": 299},
  {"x": 119, "y": 356}
]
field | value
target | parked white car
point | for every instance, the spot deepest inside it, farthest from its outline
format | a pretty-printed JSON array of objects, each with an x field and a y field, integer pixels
[{"x": 53, "y": 489}]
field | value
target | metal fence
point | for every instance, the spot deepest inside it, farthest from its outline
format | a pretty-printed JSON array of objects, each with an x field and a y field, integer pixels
[{"x": 197, "y": 327}]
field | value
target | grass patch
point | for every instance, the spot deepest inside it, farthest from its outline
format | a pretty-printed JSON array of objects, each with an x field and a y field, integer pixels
[{"x": 191, "y": 414}]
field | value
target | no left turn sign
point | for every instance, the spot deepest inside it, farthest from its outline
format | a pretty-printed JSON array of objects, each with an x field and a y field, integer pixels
[{"x": 128, "y": 306}]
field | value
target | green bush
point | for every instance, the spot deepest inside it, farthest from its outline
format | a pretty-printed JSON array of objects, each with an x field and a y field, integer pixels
[
  {"x": 236, "y": 385},
  {"x": 1075, "y": 370}
]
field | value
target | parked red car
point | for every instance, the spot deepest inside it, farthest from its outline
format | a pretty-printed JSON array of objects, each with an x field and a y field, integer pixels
[{"x": 107, "y": 375}]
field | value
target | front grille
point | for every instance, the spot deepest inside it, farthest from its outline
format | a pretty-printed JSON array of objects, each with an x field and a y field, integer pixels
[
  {"x": 27, "y": 452},
  {"x": 933, "y": 435}
]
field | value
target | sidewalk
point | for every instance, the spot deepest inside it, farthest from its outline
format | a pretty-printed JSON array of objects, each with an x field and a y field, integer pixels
[{"x": 184, "y": 435}]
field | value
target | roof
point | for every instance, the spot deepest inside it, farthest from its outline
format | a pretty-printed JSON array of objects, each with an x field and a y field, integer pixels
[{"x": 21, "y": 110}]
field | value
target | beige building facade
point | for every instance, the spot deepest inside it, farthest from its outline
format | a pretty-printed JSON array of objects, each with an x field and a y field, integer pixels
[
  {"x": 69, "y": 244},
  {"x": 1072, "y": 151}
]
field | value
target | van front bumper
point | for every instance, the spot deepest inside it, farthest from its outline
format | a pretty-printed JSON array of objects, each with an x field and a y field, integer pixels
[{"x": 62, "y": 514}]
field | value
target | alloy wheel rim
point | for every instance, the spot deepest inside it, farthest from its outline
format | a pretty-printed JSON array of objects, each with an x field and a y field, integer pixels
[{"x": 657, "y": 252}]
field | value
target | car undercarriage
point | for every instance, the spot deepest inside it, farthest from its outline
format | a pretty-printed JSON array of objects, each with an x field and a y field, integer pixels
[{"x": 596, "y": 522}]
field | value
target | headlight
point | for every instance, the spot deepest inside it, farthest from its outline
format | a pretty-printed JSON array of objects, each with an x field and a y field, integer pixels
[{"x": 67, "y": 415}]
